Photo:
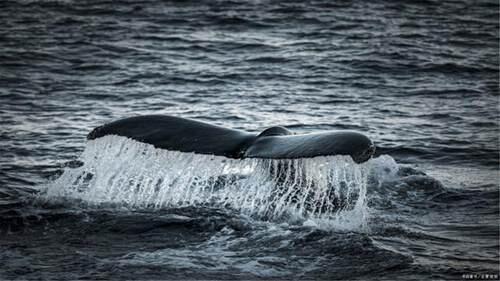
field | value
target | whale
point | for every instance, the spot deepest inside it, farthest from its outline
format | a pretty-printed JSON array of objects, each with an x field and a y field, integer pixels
[{"x": 188, "y": 135}]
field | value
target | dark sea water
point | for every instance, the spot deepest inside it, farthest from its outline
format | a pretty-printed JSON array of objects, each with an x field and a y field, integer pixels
[{"x": 422, "y": 80}]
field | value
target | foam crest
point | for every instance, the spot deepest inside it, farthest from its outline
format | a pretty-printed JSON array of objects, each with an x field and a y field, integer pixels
[{"x": 122, "y": 171}]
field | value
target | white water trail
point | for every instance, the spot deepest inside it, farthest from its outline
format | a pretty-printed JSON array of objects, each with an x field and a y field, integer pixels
[{"x": 122, "y": 171}]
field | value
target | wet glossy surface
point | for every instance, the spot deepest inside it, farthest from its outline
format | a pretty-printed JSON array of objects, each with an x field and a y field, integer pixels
[{"x": 420, "y": 79}]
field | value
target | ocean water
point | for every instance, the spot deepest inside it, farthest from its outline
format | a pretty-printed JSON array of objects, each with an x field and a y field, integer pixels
[{"x": 420, "y": 79}]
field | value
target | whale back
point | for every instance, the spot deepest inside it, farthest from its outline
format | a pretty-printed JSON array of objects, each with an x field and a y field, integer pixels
[{"x": 186, "y": 135}]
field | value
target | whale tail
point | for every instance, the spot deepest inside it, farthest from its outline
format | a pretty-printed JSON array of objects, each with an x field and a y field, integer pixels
[{"x": 185, "y": 135}]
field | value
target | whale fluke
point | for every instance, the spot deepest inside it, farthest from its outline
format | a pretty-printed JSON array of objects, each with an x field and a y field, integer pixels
[
  {"x": 186, "y": 135},
  {"x": 358, "y": 146}
]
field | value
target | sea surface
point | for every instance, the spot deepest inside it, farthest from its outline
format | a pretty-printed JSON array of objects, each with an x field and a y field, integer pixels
[{"x": 420, "y": 78}]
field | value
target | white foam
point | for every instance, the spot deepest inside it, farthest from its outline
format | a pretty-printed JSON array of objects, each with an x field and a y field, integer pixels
[{"x": 122, "y": 171}]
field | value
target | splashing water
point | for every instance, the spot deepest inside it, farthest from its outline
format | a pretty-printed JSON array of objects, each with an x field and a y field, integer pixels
[{"x": 122, "y": 171}]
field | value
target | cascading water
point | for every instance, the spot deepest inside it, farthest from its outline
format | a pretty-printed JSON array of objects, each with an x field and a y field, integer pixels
[{"x": 121, "y": 171}]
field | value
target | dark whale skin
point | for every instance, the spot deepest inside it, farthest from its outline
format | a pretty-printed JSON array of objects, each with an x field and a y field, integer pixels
[{"x": 186, "y": 135}]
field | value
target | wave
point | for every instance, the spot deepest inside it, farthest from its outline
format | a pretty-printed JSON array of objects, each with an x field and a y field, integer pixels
[{"x": 121, "y": 172}]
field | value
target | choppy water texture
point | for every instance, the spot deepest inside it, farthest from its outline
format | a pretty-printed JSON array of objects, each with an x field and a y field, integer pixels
[{"x": 420, "y": 79}]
